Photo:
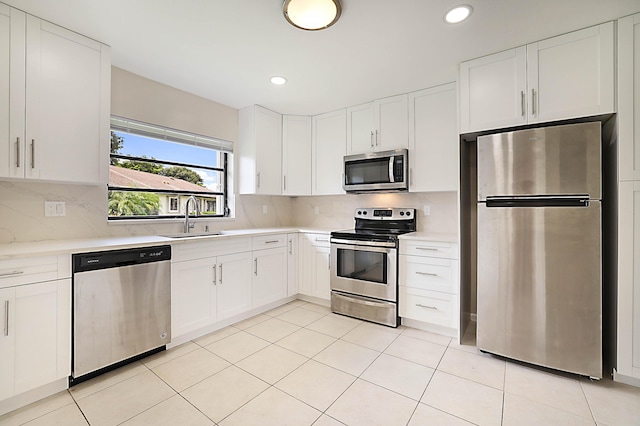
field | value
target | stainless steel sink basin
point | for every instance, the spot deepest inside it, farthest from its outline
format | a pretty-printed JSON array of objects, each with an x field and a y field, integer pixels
[{"x": 192, "y": 234}]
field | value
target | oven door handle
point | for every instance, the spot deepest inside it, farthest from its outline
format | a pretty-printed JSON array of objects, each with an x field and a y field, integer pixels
[
  {"x": 353, "y": 243},
  {"x": 361, "y": 300}
]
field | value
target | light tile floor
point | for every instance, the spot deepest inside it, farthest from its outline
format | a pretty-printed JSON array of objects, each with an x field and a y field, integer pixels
[{"x": 300, "y": 364}]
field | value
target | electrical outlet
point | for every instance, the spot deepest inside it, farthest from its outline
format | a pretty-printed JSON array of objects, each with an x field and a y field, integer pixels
[
  {"x": 427, "y": 210},
  {"x": 265, "y": 209},
  {"x": 54, "y": 208},
  {"x": 316, "y": 210}
]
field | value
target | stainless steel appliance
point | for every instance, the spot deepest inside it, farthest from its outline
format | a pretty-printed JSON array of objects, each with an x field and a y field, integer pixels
[
  {"x": 121, "y": 307},
  {"x": 364, "y": 264},
  {"x": 385, "y": 171},
  {"x": 539, "y": 247}
]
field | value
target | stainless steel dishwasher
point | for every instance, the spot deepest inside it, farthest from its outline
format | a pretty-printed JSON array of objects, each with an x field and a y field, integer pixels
[{"x": 121, "y": 308}]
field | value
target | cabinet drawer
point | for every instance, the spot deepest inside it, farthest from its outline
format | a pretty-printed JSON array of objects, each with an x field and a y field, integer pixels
[
  {"x": 429, "y": 273},
  {"x": 269, "y": 241},
  {"x": 429, "y": 248},
  {"x": 207, "y": 249},
  {"x": 429, "y": 306},
  {"x": 319, "y": 240},
  {"x": 28, "y": 270}
]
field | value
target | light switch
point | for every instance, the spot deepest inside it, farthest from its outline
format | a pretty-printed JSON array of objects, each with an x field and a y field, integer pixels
[
  {"x": 427, "y": 210},
  {"x": 54, "y": 208}
]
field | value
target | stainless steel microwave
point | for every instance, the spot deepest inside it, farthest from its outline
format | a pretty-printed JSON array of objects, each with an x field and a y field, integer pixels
[{"x": 385, "y": 171}]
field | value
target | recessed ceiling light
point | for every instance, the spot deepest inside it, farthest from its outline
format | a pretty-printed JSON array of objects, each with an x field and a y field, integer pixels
[
  {"x": 278, "y": 80},
  {"x": 458, "y": 14}
]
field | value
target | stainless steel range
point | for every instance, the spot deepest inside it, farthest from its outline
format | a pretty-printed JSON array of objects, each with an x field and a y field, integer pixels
[{"x": 364, "y": 264}]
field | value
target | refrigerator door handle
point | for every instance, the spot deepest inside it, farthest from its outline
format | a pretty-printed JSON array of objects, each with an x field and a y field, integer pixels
[{"x": 539, "y": 201}]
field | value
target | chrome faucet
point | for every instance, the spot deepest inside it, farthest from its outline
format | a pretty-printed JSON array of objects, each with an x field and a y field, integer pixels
[{"x": 187, "y": 225}]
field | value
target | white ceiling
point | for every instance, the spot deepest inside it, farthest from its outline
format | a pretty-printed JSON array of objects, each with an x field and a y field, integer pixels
[{"x": 227, "y": 50}]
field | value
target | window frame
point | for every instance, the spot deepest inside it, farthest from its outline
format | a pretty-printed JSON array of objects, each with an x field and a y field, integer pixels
[{"x": 221, "y": 147}]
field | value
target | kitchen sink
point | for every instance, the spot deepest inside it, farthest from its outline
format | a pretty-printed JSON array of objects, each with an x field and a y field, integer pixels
[{"x": 191, "y": 234}]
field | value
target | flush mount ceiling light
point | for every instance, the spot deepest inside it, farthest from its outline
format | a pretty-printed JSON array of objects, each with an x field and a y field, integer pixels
[
  {"x": 458, "y": 14},
  {"x": 311, "y": 15},
  {"x": 278, "y": 80}
]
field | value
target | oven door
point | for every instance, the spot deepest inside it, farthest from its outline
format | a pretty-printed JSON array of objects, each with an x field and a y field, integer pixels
[{"x": 364, "y": 268}]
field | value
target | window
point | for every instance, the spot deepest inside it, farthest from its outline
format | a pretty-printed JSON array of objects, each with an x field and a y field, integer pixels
[{"x": 154, "y": 170}]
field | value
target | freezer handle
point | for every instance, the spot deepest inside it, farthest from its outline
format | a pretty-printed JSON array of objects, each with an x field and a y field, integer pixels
[{"x": 539, "y": 201}]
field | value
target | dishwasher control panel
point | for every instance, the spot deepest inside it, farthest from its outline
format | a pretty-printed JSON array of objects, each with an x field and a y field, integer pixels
[{"x": 115, "y": 258}]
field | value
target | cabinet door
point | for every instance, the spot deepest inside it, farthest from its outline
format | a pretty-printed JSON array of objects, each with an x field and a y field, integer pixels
[
  {"x": 269, "y": 276},
  {"x": 329, "y": 147},
  {"x": 193, "y": 295},
  {"x": 268, "y": 133},
  {"x": 433, "y": 139},
  {"x": 360, "y": 129},
  {"x": 296, "y": 155},
  {"x": 571, "y": 75},
  {"x": 392, "y": 123},
  {"x": 7, "y": 342},
  {"x": 67, "y": 104},
  {"x": 628, "y": 98},
  {"x": 292, "y": 264},
  {"x": 493, "y": 91},
  {"x": 306, "y": 281},
  {"x": 629, "y": 279},
  {"x": 42, "y": 334},
  {"x": 322, "y": 275},
  {"x": 12, "y": 57},
  {"x": 234, "y": 284}
]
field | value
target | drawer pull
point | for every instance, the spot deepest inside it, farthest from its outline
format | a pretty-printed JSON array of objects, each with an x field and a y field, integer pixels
[
  {"x": 427, "y": 273},
  {"x": 11, "y": 274},
  {"x": 271, "y": 241},
  {"x": 426, "y": 307},
  {"x": 427, "y": 248}
]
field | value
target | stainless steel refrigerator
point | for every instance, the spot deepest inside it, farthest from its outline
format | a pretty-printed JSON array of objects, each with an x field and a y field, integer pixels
[{"x": 539, "y": 251}]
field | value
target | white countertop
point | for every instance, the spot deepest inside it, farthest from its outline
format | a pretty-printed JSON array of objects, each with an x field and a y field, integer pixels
[{"x": 57, "y": 247}]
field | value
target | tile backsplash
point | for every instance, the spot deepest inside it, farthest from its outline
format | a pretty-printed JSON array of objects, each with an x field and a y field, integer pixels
[{"x": 22, "y": 216}]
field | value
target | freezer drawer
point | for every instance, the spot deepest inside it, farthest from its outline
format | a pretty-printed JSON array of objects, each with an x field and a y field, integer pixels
[{"x": 539, "y": 285}]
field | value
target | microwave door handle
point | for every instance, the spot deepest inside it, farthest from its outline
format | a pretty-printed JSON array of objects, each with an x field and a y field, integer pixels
[{"x": 391, "y": 161}]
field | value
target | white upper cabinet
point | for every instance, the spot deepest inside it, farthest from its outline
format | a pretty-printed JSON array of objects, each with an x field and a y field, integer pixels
[
  {"x": 378, "y": 126},
  {"x": 629, "y": 98},
  {"x": 564, "y": 77},
  {"x": 55, "y": 121},
  {"x": 433, "y": 139},
  {"x": 259, "y": 151},
  {"x": 296, "y": 155},
  {"x": 329, "y": 132}
]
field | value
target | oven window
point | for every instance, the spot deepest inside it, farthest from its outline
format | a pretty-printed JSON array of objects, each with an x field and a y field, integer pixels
[
  {"x": 362, "y": 265},
  {"x": 367, "y": 171}
]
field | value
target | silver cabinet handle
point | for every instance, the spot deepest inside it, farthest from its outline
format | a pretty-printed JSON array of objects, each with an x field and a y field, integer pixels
[
  {"x": 271, "y": 241},
  {"x": 258, "y": 180},
  {"x": 215, "y": 275},
  {"x": 522, "y": 102},
  {"x": 377, "y": 138},
  {"x": 255, "y": 266},
  {"x": 426, "y": 273},
  {"x": 427, "y": 248},
  {"x": 329, "y": 262},
  {"x": 533, "y": 101},
  {"x": 285, "y": 182},
  {"x": 220, "y": 274},
  {"x": 6, "y": 318},
  {"x": 33, "y": 153},
  {"x": 372, "y": 139},
  {"x": 18, "y": 152},
  {"x": 11, "y": 274},
  {"x": 426, "y": 307},
  {"x": 291, "y": 247}
]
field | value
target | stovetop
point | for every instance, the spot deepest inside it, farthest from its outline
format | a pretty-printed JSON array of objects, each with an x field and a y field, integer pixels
[{"x": 379, "y": 224}]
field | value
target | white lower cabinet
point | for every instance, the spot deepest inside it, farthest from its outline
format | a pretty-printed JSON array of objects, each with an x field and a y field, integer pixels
[
  {"x": 35, "y": 343},
  {"x": 269, "y": 275},
  {"x": 315, "y": 272},
  {"x": 292, "y": 264},
  {"x": 233, "y": 285},
  {"x": 193, "y": 295},
  {"x": 429, "y": 282}
]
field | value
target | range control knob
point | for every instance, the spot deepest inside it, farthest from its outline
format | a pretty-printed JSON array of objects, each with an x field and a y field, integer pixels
[
  {"x": 359, "y": 212},
  {"x": 401, "y": 213},
  {"x": 364, "y": 212},
  {"x": 409, "y": 213}
]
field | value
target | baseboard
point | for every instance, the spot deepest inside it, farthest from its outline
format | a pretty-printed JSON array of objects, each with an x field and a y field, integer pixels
[
  {"x": 33, "y": 395},
  {"x": 633, "y": 381}
]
